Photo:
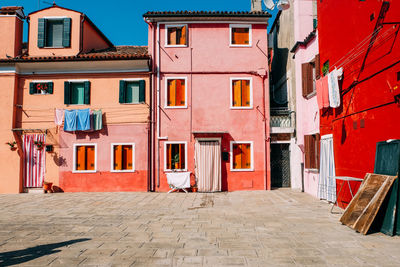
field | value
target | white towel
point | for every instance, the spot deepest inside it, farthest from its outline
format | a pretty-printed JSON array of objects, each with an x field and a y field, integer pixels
[
  {"x": 179, "y": 179},
  {"x": 59, "y": 117},
  {"x": 334, "y": 94}
]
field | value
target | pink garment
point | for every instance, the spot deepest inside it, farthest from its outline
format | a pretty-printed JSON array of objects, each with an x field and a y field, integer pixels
[
  {"x": 59, "y": 117},
  {"x": 318, "y": 85},
  {"x": 325, "y": 91}
]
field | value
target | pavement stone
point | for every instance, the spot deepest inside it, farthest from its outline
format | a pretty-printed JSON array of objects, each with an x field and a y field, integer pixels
[{"x": 253, "y": 228}]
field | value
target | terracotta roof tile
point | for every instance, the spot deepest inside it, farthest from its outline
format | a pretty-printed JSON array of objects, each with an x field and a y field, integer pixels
[
  {"x": 207, "y": 14},
  {"x": 113, "y": 53}
]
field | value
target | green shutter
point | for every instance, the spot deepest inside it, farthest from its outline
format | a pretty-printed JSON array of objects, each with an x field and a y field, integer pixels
[
  {"x": 32, "y": 89},
  {"x": 87, "y": 93},
  {"x": 122, "y": 89},
  {"x": 41, "y": 32},
  {"x": 50, "y": 87},
  {"x": 67, "y": 93},
  {"x": 142, "y": 91},
  {"x": 67, "y": 33}
]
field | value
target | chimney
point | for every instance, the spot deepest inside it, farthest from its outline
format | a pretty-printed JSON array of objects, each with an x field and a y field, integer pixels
[
  {"x": 11, "y": 27},
  {"x": 256, "y": 5}
]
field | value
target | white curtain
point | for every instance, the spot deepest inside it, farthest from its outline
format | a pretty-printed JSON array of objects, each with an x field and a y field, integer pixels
[
  {"x": 327, "y": 182},
  {"x": 34, "y": 160},
  {"x": 208, "y": 166}
]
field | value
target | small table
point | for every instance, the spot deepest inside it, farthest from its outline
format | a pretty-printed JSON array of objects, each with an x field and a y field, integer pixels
[{"x": 347, "y": 179}]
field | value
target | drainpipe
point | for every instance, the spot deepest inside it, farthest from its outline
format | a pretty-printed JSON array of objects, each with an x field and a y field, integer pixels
[
  {"x": 267, "y": 137},
  {"x": 81, "y": 37}
]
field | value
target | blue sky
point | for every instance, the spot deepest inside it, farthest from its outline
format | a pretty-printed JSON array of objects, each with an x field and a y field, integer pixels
[{"x": 121, "y": 20}]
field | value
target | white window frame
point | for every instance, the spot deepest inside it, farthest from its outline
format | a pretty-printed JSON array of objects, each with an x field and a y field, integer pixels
[
  {"x": 174, "y": 26},
  {"x": 231, "y": 91},
  {"x": 231, "y": 26},
  {"x": 165, "y": 156},
  {"x": 74, "y": 170},
  {"x": 252, "y": 156},
  {"x": 166, "y": 92},
  {"x": 112, "y": 157},
  {"x": 43, "y": 81}
]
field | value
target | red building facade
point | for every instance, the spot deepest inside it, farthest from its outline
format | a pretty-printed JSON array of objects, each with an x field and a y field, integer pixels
[{"x": 363, "y": 38}]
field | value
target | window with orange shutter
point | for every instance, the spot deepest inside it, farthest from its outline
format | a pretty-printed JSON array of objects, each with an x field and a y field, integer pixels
[
  {"x": 176, "y": 35},
  {"x": 123, "y": 155},
  {"x": 240, "y": 35},
  {"x": 241, "y": 93},
  {"x": 176, "y": 93},
  {"x": 175, "y": 156},
  {"x": 85, "y": 158},
  {"x": 241, "y": 156}
]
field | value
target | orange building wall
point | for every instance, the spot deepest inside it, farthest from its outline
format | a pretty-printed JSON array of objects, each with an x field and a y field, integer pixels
[
  {"x": 10, "y": 30},
  {"x": 34, "y": 50},
  {"x": 10, "y": 181},
  {"x": 92, "y": 39},
  {"x": 37, "y": 111}
]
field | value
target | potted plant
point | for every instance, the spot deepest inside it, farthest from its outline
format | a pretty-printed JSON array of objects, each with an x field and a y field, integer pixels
[
  {"x": 175, "y": 161},
  {"x": 12, "y": 145},
  {"x": 47, "y": 187},
  {"x": 39, "y": 145}
]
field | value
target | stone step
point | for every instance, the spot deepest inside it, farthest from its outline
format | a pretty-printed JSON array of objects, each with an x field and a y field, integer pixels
[{"x": 38, "y": 190}]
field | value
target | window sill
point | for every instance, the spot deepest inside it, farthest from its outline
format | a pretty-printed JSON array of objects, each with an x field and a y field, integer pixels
[
  {"x": 119, "y": 171},
  {"x": 141, "y": 103},
  {"x": 167, "y": 46},
  {"x": 77, "y": 104},
  {"x": 172, "y": 171},
  {"x": 242, "y": 170},
  {"x": 175, "y": 107},
  {"x": 310, "y": 95},
  {"x": 236, "y": 45},
  {"x": 53, "y": 47},
  {"x": 251, "y": 107},
  {"x": 74, "y": 171},
  {"x": 312, "y": 170}
]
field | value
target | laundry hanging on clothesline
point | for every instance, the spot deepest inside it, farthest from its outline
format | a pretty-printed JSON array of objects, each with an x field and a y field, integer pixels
[
  {"x": 322, "y": 92},
  {"x": 81, "y": 120},
  {"x": 333, "y": 85}
]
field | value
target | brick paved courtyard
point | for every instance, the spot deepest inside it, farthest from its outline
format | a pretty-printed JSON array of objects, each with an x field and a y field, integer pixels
[{"x": 279, "y": 227}]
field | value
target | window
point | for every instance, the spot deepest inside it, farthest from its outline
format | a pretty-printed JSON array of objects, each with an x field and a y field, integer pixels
[
  {"x": 241, "y": 93},
  {"x": 325, "y": 68},
  {"x": 242, "y": 156},
  {"x": 77, "y": 92},
  {"x": 176, "y": 35},
  {"x": 175, "y": 156},
  {"x": 240, "y": 35},
  {"x": 176, "y": 92},
  {"x": 132, "y": 92},
  {"x": 41, "y": 87},
  {"x": 123, "y": 157},
  {"x": 54, "y": 32},
  {"x": 311, "y": 151},
  {"x": 84, "y": 158},
  {"x": 310, "y": 72}
]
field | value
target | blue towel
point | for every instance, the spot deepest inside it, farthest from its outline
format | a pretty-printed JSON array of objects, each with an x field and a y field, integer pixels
[
  {"x": 70, "y": 120},
  {"x": 83, "y": 122}
]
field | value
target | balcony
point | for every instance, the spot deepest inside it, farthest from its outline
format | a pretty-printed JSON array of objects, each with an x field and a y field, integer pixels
[{"x": 281, "y": 121}]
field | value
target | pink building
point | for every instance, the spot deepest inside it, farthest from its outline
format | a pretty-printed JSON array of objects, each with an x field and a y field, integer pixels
[
  {"x": 306, "y": 56},
  {"x": 211, "y": 96},
  {"x": 70, "y": 67}
]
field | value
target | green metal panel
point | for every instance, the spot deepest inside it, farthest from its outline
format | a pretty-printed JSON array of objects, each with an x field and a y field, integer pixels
[
  {"x": 41, "y": 32},
  {"x": 32, "y": 89},
  {"x": 142, "y": 91},
  {"x": 86, "y": 99},
  {"x": 50, "y": 87},
  {"x": 66, "y": 40},
  {"x": 132, "y": 92},
  {"x": 387, "y": 161},
  {"x": 122, "y": 89},
  {"x": 67, "y": 93}
]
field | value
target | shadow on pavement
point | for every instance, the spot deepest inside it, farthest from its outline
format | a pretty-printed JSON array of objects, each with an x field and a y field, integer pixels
[{"x": 24, "y": 255}]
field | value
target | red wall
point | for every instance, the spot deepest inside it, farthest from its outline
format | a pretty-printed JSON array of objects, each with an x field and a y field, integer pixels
[{"x": 342, "y": 26}]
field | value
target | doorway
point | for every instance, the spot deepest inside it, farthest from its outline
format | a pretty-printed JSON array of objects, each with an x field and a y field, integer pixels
[
  {"x": 208, "y": 165},
  {"x": 280, "y": 165}
]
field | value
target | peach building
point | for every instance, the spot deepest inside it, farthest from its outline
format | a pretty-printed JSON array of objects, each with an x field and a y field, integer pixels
[
  {"x": 211, "y": 92},
  {"x": 100, "y": 93}
]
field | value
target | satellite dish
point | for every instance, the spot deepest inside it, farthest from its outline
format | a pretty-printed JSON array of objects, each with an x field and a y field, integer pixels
[
  {"x": 269, "y": 4},
  {"x": 283, "y": 4}
]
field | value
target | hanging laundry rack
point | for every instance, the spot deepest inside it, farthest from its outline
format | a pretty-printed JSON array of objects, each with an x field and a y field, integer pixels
[{"x": 24, "y": 131}]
